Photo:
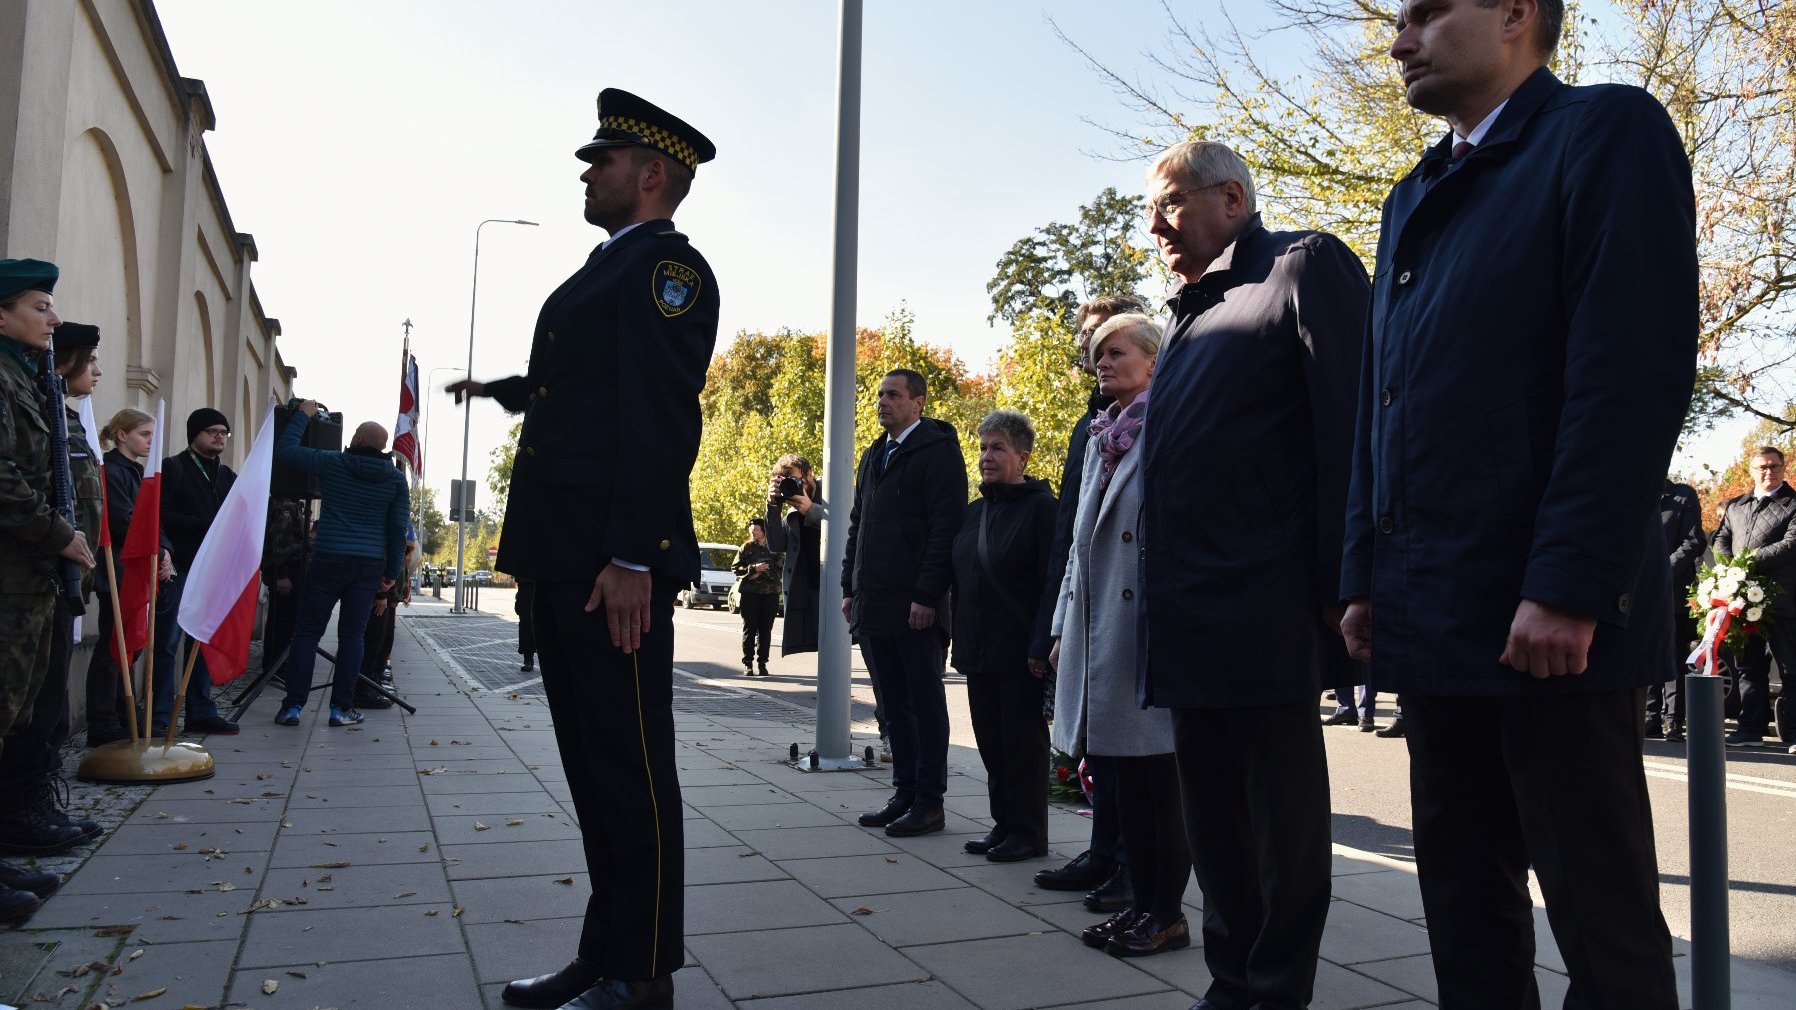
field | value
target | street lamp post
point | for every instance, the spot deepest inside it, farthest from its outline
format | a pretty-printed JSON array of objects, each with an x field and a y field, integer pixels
[{"x": 461, "y": 525}]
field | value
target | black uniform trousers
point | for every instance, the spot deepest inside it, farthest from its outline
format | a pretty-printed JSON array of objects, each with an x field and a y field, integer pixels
[
  {"x": 757, "y": 614},
  {"x": 1013, "y": 744},
  {"x": 34, "y": 749},
  {"x": 614, "y": 727},
  {"x": 1146, "y": 798},
  {"x": 1666, "y": 701},
  {"x": 1255, "y": 784},
  {"x": 277, "y": 630},
  {"x": 1501, "y": 784},
  {"x": 1106, "y": 828},
  {"x": 105, "y": 685},
  {"x": 377, "y": 644},
  {"x": 1754, "y": 666}
]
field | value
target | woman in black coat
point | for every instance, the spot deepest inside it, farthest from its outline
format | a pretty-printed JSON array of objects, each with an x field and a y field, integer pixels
[
  {"x": 1000, "y": 563},
  {"x": 797, "y": 535}
]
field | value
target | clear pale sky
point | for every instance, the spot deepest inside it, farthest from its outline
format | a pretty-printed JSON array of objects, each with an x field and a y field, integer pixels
[{"x": 361, "y": 143}]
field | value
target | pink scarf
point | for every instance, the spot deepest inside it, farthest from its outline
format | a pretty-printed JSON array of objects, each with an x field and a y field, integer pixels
[{"x": 1114, "y": 432}]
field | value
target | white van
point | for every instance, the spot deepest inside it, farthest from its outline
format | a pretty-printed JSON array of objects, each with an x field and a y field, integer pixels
[{"x": 715, "y": 579}]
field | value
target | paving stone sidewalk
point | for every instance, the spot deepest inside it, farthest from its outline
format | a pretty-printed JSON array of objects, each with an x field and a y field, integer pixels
[{"x": 424, "y": 860}]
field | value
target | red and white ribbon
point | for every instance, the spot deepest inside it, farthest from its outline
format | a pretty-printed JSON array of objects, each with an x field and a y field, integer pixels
[{"x": 1707, "y": 657}]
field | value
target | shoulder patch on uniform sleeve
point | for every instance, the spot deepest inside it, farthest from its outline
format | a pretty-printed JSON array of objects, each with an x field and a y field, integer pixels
[{"x": 675, "y": 287}]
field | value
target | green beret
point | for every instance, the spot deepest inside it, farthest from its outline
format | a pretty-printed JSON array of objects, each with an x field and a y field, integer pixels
[
  {"x": 73, "y": 336},
  {"x": 27, "y": 275}
]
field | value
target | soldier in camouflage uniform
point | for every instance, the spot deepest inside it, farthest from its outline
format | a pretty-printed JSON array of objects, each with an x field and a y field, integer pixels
[
  {"x": 32, "y": 795},
  {"x": 32, "y": 536}
]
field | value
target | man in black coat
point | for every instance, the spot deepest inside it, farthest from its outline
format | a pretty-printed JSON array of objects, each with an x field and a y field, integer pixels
[
  {"x": 1530, "y": 355},
  {"x": 1680, "y": 523},
  {"x": 1764, "y": 522},
  {"x": 1101, "y": 868},
  {"x": 194, "y": 485},
  {"x": 797, "y": 536},
  {"x": 599, "y": 519},
  {"x": 909, "y": 493},
  {"x": 1247, "y": 443}
]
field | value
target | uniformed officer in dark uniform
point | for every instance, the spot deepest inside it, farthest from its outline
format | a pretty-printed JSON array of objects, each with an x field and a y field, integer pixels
[{"x": 599, "y": 518}]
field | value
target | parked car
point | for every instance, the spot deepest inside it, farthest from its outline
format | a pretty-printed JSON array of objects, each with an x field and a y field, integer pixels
[
  {"x": 736, "y": 601},
  {"x": 481, "y": 575},
  {"x": 715, "y": 579}
]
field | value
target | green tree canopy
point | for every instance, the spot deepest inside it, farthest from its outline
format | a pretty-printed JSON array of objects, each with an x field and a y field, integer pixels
[{"x": 1105, "y": 252}]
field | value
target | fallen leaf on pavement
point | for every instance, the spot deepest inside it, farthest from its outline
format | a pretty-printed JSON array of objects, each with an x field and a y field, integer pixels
[
  {"x": 338, "y": 865},
  {"x": 863, "y": 910},
  {"x": 152, "y": 994},
  {"x": 514, "y": 822},
  {"x": 135, "y": 954},
  {"x": 569, "y": 881},
  {"x": 424, "y": 848},
  {"x": 403, "y": 894},
  {"x": 269, "y": 986},
  {"x": 479, "y": 826},
  {"x": 180, "y": 846}
]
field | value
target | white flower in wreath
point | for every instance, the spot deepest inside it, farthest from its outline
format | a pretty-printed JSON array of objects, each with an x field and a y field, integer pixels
[
  {"x": 1706, "y": 591},
  {"x": 1736, "y": 573},
  {"x": 1754, "y": 615},
  {"x": 1729, "y": 587},
  {"x": 1754, "y": 593}
]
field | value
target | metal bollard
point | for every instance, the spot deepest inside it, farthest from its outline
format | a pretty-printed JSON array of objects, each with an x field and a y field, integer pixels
[{"x": 1706, "y": 768}]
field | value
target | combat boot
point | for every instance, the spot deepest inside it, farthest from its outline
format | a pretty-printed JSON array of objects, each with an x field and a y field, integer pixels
[
  {"x": 16, "y": 906},
  {"x": 53, "y": 793},
  {"x": 26, "y": 827}
]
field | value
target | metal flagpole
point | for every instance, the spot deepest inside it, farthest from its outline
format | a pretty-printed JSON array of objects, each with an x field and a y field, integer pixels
[
  {"x": 834, "y": 684},
  {"x": 1706, "y": 765}
]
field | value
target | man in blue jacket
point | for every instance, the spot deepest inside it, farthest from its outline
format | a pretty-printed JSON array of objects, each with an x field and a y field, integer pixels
[
  {"x": 359, "y": 551},
  {"x": 1530, "y": 354}
]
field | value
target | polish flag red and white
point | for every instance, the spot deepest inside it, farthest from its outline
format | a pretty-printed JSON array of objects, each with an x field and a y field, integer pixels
[
  {"x": 218, "y": 600},
  {"x": 405, "y": 430},
  {"x": 142, "y": 551}
]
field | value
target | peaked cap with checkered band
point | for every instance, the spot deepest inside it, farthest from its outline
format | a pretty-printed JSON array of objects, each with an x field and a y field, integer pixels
[{"x": 628, "y": 121}]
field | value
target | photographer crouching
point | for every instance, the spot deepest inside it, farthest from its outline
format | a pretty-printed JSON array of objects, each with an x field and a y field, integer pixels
[{"x": 359, "y": 551}]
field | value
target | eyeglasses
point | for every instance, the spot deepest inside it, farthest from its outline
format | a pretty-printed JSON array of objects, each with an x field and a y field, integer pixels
[
  {"x": 216, "y": 432},
  {"x": 1167, "y": 204}
]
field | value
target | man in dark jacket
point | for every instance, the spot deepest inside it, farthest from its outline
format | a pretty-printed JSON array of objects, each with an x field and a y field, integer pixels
[
  {"x": 760, "y": 594},
  {"x": 1251, "y": 415},
  {"x": 194, "y": 485},
  {"x": 798, "y": 536},
  {"x": 909, "y": 493},
  {"x": 1101, "y": 868},
  {"x": 360, "y": 551},
  {"x": 599, "y": 519},
  {"x": 1764, "y": 522},
  {"x": 1680, "y": 522},
  {"x": 1531, "y": 352}
]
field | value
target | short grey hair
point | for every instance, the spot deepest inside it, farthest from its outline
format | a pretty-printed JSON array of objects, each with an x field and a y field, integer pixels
[
  {"x": 1141, "y": 329},
  {"x": 1013, "y": 425},
  {"x": 1205, "y": 163}
]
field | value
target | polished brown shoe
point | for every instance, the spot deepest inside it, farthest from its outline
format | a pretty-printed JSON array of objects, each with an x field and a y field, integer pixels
[
  {"x": 894, "y": 809},
  {"x": 616, "y": 994},
  {"x": 1148, "y": 937},
  {"x": 548, "y": 992},
  {"x": 1096, "y": 936}
]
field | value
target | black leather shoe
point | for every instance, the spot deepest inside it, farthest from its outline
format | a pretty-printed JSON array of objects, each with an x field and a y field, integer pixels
[
  {"x": 99, "y": 736},
  {"x": 16, "y": 906},
  {"x": 1395, "y": 729},
  {"x": 39, "y": 882},
  {"x": 917, "y": 820},
  {"x": 1674, "y": 734},
  {"x": 1148, "y": 937},
  {"x": 1085, "y": 872},
  {"x": 370, "y": 699},
  {"x": 1112, "y": 895},
  {"x": 1014, "y": 850},
  {"x": 547, "y": 992},
  {"x": 615, "y": 994},
  {"x": 1654, "y": 729},
  {"x": 215, "y": 725},
  {"x": 894, "y": 809},
  {"x": 980, "y": 846},
  {"x": 1342, "y": 717},
  {"x": 1096, "y": 936},
  {"x": 27, "y": 830}
]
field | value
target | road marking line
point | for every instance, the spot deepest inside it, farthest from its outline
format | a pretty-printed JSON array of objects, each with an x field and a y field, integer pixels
[
  {"x": 429, "y": 641},
  {"x": 1736, "y": 781},
  {"x": 520, "y": 685}
]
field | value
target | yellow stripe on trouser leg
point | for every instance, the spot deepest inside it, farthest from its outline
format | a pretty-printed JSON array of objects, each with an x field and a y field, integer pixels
[{"x": 654, "y": 804}]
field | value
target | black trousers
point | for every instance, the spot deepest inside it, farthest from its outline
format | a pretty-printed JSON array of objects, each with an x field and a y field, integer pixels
[
  {"x": 757, "y": 626},
  {"x": 1147, "y": 810},
  {"x": 1255, "y": 784},
  {"x": 907, "y": 668},
  {"x": 1106, "y": 827},
  {"x": 277, "y": 630},
  {"x": 377, "y": 643},
  {"x": 105, "y": 686},
  {"x": 1013, "y": 744},
  {"x": 1754, "y": 666},
  {"x": 1499, "y": 784},
  {"x": 614, "y": 727},
  {"x": 1666, "y": 701},
  {"x": 34, "y": 750}
]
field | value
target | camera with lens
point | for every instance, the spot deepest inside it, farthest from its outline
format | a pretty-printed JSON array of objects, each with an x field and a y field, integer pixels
[
  {"x": 791, "y": 487},
  {"x": 324, "y": 415}
]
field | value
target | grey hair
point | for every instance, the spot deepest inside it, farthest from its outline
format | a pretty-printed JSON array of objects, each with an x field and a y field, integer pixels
[
  {"x": 1141, "y": 329},
  {"x": 1205, "y": 163},
  {"x": 1013, "y": 426}
]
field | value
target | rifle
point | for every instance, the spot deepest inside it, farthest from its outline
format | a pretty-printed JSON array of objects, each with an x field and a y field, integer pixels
[{"x": 62, "y": 482}]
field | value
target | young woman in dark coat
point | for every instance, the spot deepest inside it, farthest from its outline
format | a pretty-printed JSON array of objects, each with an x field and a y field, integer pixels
[{"x": 1000, "y": 562}]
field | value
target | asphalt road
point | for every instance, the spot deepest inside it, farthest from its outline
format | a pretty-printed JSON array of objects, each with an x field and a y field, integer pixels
[{"x": 1371, "y": 791}]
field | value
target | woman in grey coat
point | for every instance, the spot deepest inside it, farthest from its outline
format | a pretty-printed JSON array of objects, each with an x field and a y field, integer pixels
[{"x": 1098, "y": 707}]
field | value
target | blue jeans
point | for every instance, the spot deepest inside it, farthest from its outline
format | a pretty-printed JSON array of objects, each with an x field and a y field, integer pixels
[
  {"x": 332, "y": 579},
  {"x": 908, "y": 668},
  {"x": 169, "y": 662}
]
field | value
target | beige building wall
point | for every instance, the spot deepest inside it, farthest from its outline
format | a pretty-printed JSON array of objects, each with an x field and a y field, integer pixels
[{"x": 108, "y": 177}]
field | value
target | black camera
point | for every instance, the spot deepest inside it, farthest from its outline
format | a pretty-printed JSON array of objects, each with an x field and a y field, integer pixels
[
  {"x": 791, "y": 487},
  {"x": 324, "y": 415}
]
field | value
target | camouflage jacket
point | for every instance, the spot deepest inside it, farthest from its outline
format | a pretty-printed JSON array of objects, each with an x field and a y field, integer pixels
[
  {"x": 90, "y": 489},
  {"x": 31, "y": 534}
]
